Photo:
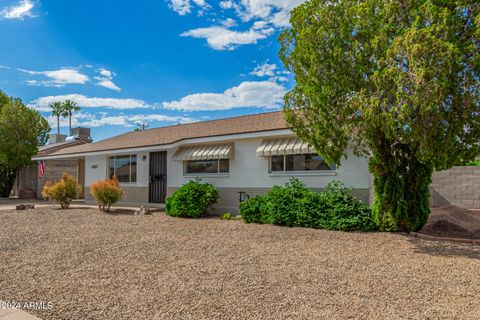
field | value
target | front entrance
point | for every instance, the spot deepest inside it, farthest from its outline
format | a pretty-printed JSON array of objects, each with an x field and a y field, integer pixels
[{"x": 157, "y": 189}]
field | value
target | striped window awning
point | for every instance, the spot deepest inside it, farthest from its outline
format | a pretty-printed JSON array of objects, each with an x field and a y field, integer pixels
[
  {"x": 205, "y": 152},
  {"x": 283, "y": 146}
]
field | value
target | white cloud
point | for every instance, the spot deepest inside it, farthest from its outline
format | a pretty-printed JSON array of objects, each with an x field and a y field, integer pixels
[
  {"x": 109, "y": 120},
  {"x": 183, "y": 7},
  {"x": 161, "y": 118},
  {"x": 276, "y": 12},
  {"x": 265, "y": 69},
  {"x": 101, "y": 119},
  {"x": 261, "y": 94},
  {"x": 264, "y": 16},
  {"x": 278, "y": 79},
  {"x": 42, "y": 103},
  {"x": 106, "y": 73},
  {"x": 222, "y": 38},
  {"x": 281, "y": 19},
  {"x": 228, "y": 4},
  {"x": 57, "y": 78},
  {"x": 88, "y": 120},
  {"x": 103, "y": 82},
  {"x": 52, "y": 121},
  {"x": 271, "y": 71},
  {"x": 106, "y": 79},
  {"x": 229, "y": 22},
  {"x": 21, "y": 10}
]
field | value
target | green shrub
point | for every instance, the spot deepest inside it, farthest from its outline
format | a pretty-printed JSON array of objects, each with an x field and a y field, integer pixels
[
  {"x": 250, "y": 210},
  {"x": 295, "y": 205},
  {"x": 226, "y": 216},
  {"x": 473, "y": 163},
  {"x": 191, "y": 200},
  {"x": 343, "y": 211},
  {"x": 106, "y": 192},
  {"x": 63, "y": 191}
]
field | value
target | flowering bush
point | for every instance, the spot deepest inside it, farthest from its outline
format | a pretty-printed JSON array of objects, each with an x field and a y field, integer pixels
[
  {"x": 63, "y": 191},
  {"x": 106, "y": 192}
]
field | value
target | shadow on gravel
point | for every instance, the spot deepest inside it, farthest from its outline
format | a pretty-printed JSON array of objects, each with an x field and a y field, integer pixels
[
  {"x": 122, "y": 212},
  {"x": 446, "y": 248},
  {"x": 129, "y": 212},
  {"x": 70, "y": 208}
]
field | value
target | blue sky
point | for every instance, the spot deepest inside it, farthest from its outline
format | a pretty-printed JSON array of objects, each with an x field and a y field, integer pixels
[{"x": 159, "y": 61}]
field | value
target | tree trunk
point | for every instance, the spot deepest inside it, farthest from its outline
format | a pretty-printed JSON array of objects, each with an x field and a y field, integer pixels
[
  {"x": 402, "y": 196},
  {"x": 7, "y": 180},
  {"x": 70, "y": 123},
  {"x": 58, "y": 124}
]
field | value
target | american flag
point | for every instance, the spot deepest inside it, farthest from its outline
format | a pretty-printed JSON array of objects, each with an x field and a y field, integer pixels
[{"x": 43, "y": 164}]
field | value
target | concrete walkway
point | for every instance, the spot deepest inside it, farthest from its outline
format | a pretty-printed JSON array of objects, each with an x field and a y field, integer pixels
[{"x": 10, "y": 204}]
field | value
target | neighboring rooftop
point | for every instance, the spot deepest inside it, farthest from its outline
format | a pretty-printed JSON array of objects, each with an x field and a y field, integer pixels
[
  {"x": 55, "y": 147},
  {"x": 171, "y": 134}
]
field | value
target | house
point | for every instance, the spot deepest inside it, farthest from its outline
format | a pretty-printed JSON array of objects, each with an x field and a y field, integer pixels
[{"x": 242, "y": 156}]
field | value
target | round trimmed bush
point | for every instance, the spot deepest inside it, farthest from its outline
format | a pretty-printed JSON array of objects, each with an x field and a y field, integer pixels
[
  {"x": 63, "y": 191},
  {"x": 191, "y": 200},
  {"x": 106, "y": 193}
]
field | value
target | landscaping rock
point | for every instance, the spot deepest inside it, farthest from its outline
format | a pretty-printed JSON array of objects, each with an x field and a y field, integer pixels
[
  {"x": 24, "y": 206},
  {"x": 29, "y": 205},
  {"x": 143, "y": 211},
  {"x": 90, "y": 265}
]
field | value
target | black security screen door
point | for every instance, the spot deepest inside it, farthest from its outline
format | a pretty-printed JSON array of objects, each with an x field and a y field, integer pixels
[{"x": 158, "y": 177}]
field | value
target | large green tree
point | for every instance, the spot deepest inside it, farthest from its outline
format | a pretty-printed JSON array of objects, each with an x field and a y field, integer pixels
[
  {"x": 22, "y": 130},
  {"x": 397, "y": 81}
]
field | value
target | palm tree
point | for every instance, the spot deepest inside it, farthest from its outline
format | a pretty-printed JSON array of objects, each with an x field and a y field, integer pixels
[
  {"x": 69, "y": 106},
  {"x": 58, "y": 111}
]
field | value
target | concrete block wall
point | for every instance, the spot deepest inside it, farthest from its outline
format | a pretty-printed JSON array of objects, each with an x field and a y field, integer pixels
[{"x": 459, "y": 186}]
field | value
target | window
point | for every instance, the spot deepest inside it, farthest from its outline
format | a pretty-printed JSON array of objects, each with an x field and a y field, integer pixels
[
  {"x": 123, "y": 167},
  {"x": 207, "y": 166},
  {"x": 298, "y": 162}
]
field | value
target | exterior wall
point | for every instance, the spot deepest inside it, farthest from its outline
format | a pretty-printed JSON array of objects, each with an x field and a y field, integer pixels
[
  {"x": 459, "y": 186},
  {"x": 132, "y": 195},
  {"x": 249, "y": 174},
  {"x": 96, "y": 168},
  {"x": 249, "y": 171}
]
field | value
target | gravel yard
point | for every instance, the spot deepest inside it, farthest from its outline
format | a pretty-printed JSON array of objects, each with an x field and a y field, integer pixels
[{"x": 91, "y": 265}]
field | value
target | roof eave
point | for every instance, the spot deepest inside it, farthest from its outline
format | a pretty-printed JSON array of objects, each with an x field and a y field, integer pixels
[{"x": 207, "y": 139}]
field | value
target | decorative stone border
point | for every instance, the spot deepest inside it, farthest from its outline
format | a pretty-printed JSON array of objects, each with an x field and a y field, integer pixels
[{"x": 428, "y": 237}]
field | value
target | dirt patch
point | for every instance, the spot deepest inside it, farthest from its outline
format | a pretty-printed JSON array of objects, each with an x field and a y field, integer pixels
[{"x": 453, "y": 222}]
